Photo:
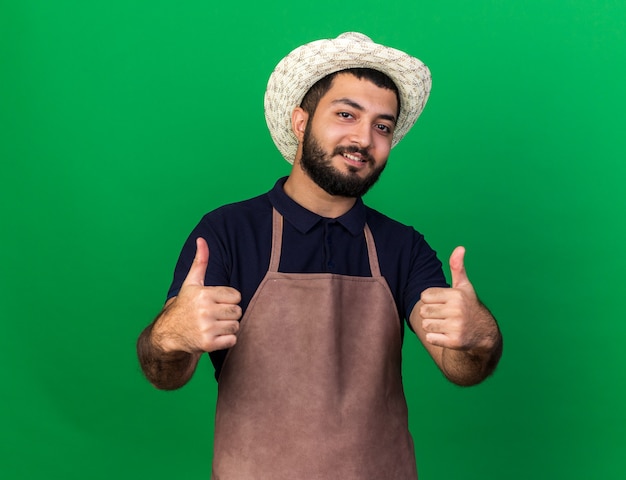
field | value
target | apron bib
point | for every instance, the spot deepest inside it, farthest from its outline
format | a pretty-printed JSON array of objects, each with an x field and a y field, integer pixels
[{"x": 313, "y": 389}]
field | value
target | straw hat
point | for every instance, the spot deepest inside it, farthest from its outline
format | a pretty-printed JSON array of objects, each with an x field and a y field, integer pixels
[{"x": 297, "y": 73}]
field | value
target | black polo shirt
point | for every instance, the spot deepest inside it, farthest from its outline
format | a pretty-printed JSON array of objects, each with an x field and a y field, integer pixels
[{"x": 239, "y": 236}]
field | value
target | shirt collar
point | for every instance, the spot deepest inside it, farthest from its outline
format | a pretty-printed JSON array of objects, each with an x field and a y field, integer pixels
[{"x": 304, "y": 220}]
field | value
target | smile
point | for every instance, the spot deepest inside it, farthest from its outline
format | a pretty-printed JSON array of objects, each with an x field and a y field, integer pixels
[{"x": 354, "y": 158}]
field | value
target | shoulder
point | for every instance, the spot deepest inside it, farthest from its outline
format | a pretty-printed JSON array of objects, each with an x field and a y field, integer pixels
[
  {"x": 398, "y": 242},
  {"x": 240, "y": 215},
  {"x": 234, "y": 230},
  {"x": 389, "y": 230}
]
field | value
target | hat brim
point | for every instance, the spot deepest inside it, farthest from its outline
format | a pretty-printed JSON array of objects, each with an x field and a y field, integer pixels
[{"x": 303, "y": 67}]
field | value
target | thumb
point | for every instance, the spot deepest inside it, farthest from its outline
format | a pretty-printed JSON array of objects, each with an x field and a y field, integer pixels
[
  {"x": 457, "y": 268},
  {"x": 200, "y": 262}
]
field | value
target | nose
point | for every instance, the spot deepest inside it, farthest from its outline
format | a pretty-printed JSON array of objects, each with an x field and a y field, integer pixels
[{"x": 361, "y": 135}]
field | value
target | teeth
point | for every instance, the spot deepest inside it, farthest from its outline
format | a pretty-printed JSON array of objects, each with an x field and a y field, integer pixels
[{"x": 352, "y": 157}]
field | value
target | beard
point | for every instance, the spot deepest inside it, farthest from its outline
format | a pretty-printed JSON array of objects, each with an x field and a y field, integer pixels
[{"x": 318, "y": 166}]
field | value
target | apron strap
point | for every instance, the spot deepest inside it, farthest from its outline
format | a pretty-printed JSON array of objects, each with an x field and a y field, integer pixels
[
  {"x": 371, "y": 251},
  {"x": 277, "y": 244},
  {"x": 277, "y": 240}
]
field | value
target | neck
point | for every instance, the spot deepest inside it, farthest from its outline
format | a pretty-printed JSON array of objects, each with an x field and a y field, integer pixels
[{"x": 305, "y": 192}]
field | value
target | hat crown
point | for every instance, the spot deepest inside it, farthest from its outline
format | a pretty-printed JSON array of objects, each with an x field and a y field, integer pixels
[{"x": 356, "y": 36}]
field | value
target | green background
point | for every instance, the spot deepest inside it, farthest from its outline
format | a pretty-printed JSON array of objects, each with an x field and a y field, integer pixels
[{"x": 122, "y": 122}]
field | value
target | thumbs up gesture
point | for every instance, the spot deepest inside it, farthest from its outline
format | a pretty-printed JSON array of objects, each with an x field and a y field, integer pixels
[
  {"x": 454, "y": 317},
  {"x": 200, "y": 319}
]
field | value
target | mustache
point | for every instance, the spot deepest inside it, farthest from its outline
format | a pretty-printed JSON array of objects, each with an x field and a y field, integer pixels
[{"x": 364, "y": 153}]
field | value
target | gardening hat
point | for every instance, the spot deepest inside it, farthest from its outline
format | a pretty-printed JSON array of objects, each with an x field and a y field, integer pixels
[{"x": 303, "y": 67}]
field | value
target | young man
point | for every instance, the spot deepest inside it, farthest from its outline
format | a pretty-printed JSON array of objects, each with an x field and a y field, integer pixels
[{"x": 299, "y": 294}]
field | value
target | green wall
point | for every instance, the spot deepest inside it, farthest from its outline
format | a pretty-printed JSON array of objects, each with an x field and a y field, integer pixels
[{"x": 122, "y": 122}]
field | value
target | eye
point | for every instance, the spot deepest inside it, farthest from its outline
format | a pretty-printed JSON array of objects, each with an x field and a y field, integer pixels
[
  {"x": 345, "y": 115},
  {"x": 383, "y": 128}
]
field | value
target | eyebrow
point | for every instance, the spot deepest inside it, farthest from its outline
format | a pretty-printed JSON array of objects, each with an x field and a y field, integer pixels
[{"x": 357, "y": 106}]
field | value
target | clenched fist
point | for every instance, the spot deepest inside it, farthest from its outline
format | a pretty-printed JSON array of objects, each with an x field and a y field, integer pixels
[
  {"x": 200, "y": 319},
  {"x": 454, "y": 317}
]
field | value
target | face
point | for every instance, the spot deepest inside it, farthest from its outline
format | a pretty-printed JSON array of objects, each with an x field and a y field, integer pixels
[{"x": 346, "y": 143}]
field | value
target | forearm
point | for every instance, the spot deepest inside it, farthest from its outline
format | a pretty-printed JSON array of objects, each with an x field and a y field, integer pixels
[
  {"x": 165, "y": 370},
  {"x": 467, "y": 368}
]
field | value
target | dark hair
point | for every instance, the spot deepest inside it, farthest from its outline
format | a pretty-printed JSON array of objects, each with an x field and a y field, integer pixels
[{"x": 318, "y": 90}]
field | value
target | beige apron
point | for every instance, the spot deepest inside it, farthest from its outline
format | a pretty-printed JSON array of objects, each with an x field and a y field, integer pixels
[{"x": 313, "y": 390}]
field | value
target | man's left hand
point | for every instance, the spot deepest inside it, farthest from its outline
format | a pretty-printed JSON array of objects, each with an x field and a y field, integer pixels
[{"x": 454, "y": 317}]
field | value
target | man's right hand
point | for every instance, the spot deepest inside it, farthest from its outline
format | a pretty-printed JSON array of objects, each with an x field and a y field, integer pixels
[{"x": 200, "y": 319}]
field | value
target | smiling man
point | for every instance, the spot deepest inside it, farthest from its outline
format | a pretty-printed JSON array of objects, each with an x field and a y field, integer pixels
[
  {"x": 359, "y": 118},
  {"x": 300, "y": 295}
]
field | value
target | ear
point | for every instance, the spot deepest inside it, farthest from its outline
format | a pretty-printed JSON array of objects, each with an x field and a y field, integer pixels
[{"x": 299, "y": 119}]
